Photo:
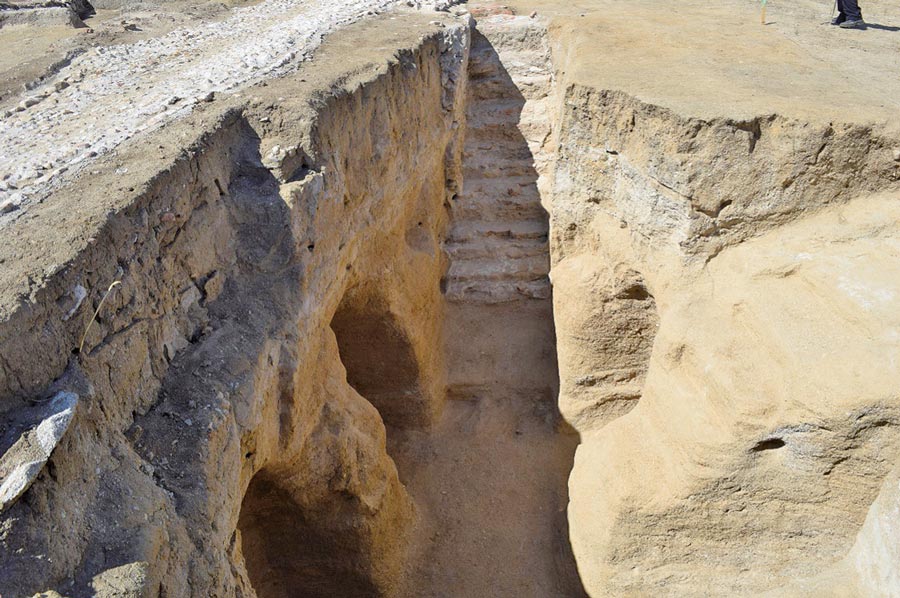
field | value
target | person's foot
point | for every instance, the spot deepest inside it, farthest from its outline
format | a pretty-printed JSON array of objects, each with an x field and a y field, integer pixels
[
  {"x": 853, "y": 24},
  {"x": 838, "y": 19}
]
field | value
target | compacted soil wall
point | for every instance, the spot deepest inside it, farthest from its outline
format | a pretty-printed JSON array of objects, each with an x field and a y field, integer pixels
[{"x": 217, "y": 447}]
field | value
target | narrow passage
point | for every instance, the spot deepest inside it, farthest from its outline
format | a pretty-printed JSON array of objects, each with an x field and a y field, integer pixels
[{"x": 490, "y": 479}]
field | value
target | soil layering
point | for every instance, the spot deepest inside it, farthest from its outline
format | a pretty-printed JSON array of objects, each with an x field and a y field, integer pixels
[{"x": 351, "y": 298}]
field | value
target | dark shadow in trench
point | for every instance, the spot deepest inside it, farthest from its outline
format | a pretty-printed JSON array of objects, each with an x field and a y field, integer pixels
[
  {"x": 378, "y": 356},
  {"x": 288, "y": 553}
]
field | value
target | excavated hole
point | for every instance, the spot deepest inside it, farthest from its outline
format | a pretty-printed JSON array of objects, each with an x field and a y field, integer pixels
[
  {"x": 381, "y": 365},
  {"x": 291, "y": 552},
  {"x": 768, "y": 445}
]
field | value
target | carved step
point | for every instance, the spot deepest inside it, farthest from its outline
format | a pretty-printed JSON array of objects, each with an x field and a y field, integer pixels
[
  {"x": 500, "y": 168},
  {"x": 500, "y": 269},
  {"x": 466, "y": 232},
  {"x": 497, "y": 250},
  {"x": 480, "y": 291}
]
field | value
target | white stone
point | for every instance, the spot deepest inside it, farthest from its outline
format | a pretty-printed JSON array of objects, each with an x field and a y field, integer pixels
[{"x": 27, "y": 456}]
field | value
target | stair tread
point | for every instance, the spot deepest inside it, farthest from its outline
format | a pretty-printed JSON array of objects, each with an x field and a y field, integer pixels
[
  {"x": 497, "y": 251},
  {"x": 462, "y": 232},
  {"x": 520, "y": 183},
  {"x": 489, "y": 292},
  {"x": 491, "y": 268}
]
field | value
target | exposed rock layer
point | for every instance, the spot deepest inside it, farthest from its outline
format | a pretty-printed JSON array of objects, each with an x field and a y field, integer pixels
[{"x": 734, "y": 278}]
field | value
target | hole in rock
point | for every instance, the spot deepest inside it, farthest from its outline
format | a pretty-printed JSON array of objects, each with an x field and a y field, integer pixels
[
  {"x": 768, "y": 445},
  {"x": 292, "y": 552},
  {"x": 636, "y": 291}
]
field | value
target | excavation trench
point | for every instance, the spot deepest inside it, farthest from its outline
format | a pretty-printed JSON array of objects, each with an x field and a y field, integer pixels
[
  {"x": 484, "y": 455},
  {"x": 489, "y": 478},
  {"x": 331, "y": 368},
  {"x": 334, "y": 364},
  {"x": 463, "y": 375}
]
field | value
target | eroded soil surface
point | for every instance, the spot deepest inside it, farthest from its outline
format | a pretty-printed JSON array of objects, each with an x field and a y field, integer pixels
[{"x": 103, "y": 91}]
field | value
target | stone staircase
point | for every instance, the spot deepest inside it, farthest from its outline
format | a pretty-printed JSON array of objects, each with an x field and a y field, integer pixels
[{"x": 497, "y": 243}]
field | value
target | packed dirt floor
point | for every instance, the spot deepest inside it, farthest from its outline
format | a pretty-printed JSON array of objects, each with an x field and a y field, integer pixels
[{"x": 705, "y": 59}]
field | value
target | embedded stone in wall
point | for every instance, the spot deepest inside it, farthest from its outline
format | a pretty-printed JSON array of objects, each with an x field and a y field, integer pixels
[{"x": 24, "y": 460}]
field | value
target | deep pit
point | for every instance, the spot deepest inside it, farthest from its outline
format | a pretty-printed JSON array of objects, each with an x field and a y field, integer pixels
[{"x": 465, "y": 307}]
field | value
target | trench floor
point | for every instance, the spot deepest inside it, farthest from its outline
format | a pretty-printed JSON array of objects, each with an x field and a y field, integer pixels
[{"x": 489, "y": 480}]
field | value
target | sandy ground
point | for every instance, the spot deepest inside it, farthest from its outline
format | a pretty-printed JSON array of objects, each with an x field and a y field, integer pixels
[
  {"x": 708, "y": 59},
  {"x": 41, "y": 50}
]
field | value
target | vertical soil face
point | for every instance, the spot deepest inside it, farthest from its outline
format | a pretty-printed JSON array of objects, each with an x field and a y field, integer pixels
[{"x": 489, "y": 479}]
